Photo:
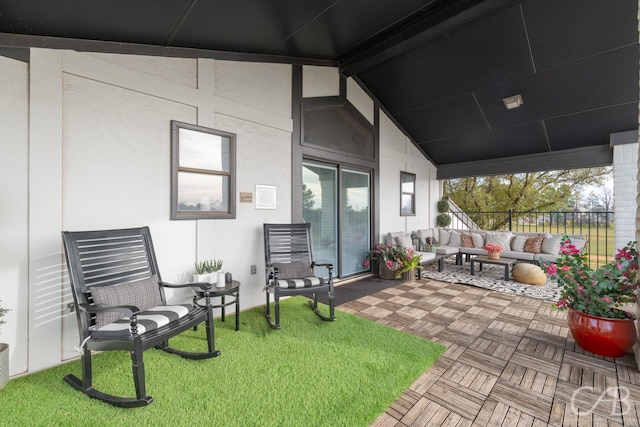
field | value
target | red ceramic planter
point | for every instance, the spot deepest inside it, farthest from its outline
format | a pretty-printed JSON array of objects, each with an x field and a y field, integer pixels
[{"x": 599, "y": 335}]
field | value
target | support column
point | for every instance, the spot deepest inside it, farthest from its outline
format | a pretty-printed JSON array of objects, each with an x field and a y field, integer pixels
[
  {"x": 625, "y": 171},
  {"x": 636, "y": 348}
]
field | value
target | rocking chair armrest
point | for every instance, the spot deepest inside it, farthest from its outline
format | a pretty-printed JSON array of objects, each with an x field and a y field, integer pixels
[
  {"x": 126, "y": 310},
  {"x": 328, "y": 266},
  {"x": 271, "y": 270},
  {"x": 205, "y": 286}
]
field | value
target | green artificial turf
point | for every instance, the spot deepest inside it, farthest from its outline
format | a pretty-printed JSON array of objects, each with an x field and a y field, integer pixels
[{"x": 310, "y": 373}]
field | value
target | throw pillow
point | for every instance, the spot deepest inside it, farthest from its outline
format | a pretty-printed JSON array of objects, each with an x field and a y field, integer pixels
[
  {"x": 533, "y": 244},
  {"x": 445, "y": 236},
  {"x": 455, "y": 239},
  {"x": 405, "y": 241},
  {"x": 517, "y": 244},
  {"x": 424, "y": 234},
  {"x": 143, "y": 294},
  {"x": 551, "y": 245},
  {"x": 467, "y": 240},
  {"x": 390, "y": 238},
  {"x": 293, "y": 270},
  {"x": 579, "y": 243},
  {"x": 478, "y": 240},
  {"x": 500, "y": 238}
]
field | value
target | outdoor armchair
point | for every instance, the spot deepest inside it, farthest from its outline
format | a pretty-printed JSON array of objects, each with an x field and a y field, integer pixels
[
  {"x": 288, "y": 250},
  {"x": 120, "y": 305}
]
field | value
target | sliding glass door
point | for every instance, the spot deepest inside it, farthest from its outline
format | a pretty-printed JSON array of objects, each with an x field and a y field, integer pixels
[{"x": 337, "y": 202}]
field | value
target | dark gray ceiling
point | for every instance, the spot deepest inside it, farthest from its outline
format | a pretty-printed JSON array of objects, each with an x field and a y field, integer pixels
[{"x": 439, "y": 68}]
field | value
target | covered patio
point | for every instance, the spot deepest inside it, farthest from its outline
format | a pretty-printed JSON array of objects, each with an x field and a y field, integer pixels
[
  {"x": 90, "y": 90},
  {"x": 510, "y": 360}
]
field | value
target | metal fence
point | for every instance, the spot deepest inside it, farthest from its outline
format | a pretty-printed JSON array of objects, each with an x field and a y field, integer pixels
[{"x": 595, "y": 226}]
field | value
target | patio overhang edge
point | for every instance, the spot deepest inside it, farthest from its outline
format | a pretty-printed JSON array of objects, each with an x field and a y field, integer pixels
[{"x": 599, "y": 155}]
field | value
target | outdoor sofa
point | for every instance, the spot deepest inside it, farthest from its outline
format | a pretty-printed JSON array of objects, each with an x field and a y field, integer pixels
[{"x": 530, "y": 247}]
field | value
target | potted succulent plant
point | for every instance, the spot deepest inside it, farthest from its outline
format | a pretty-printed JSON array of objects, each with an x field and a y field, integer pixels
[
  {"x": 202, "y": 272},
  {"x": 4, "y": 355},
  {"x": 205, "y": 269}
]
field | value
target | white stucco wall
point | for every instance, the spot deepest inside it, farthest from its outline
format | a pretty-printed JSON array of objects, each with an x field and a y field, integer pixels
[
  {"x": 14, "y": 243},
  {"x": 320, "y": 81},
  {"x": 397, "y": 153},
  {"x": 87, "y": 146},
  {"x": 359, "y": 98},
  {"x": 625, "y": 172}
]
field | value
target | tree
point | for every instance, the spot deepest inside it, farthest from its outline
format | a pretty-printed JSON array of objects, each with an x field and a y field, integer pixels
[
  {"x": 600, "y": 199},
  {"x": 524, "y": 192},
  {"x": 307, "y": 198}
]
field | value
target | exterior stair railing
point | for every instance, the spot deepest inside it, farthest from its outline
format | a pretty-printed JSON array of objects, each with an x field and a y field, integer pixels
[{"x": 595, "y": 226}]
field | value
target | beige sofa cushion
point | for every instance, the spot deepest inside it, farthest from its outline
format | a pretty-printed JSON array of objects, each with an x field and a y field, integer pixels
[
  {"x": 525, "y": 256},
  {"x": 425, "y": 234},
  {"x": 517, "y": 244},
  {"x": 447, "y": 250},
  {"x": 456, "y": 239},
  {"x": 405, "y": 241},
  {"x": 445, "y": 236},
  {"x": 390, "y": 238},
  {"x": 578, "y": 243},
  {"x": 501, "y": 238},
  {"x": 551, "y": 244},
  {"x": 478, "y": 240}
]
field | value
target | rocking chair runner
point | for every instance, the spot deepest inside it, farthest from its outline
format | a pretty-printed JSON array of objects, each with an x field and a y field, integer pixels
[
  {"x": 288, "y": 250},
  {"x": 120, "y": 305}
]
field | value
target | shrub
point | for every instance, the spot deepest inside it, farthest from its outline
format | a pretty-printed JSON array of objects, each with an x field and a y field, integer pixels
[
  {"x": 443, "y": 206},
  {"x": 443, "y": 220}
]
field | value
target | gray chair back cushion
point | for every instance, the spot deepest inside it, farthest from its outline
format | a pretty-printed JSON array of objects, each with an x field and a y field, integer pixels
[
  {"x": 143, "y": 294},
  {"x": 293, "y": 270}
]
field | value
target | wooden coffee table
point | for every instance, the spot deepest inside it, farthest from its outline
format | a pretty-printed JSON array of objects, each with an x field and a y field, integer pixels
[{"x": 506, "y": 262}]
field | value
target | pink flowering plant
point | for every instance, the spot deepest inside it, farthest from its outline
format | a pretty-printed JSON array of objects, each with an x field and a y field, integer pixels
[
  {"x": 492, "y": 247},
  {"x": 599, "y": 292},
  {"x": 395, "y": 257}
]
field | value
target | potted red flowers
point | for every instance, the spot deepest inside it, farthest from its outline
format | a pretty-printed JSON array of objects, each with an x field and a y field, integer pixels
[
  {"x": 594, "y": 298},
  {"x": 493, "y": 250},
  {"x": 393, "y": 261}
]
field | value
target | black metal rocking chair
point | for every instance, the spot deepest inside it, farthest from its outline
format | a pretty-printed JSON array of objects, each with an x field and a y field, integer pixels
[
  {"x": 288, "y": 250},
  {"x": 120, "y": 305}
]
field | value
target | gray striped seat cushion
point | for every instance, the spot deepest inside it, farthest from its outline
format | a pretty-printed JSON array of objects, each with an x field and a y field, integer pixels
[
  {"x": 149, "y": 320},
  {"x": 306, "y": 282}
]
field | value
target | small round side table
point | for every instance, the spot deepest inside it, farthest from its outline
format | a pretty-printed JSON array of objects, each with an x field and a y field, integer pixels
[{"x": 232, "y": 289}]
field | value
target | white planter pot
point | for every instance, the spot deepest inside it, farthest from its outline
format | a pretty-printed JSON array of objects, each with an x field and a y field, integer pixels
[
  {"x": 200, "y": 278},
  {"x": 4, "y": 365}
]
